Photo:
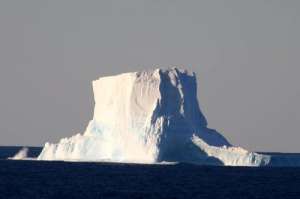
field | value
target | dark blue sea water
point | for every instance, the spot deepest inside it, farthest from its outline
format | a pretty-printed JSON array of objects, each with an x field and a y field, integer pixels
[{"x": 39, "y": 179}]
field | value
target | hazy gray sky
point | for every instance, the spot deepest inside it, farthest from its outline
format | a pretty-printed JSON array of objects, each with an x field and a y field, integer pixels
[{"x": 245, "y": 53}]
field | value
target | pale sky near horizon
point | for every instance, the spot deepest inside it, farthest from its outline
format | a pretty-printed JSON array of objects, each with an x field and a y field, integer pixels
[{"x": 245, "y": 54}]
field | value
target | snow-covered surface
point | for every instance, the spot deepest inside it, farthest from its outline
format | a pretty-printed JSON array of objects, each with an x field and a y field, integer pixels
[
  {"x": 149, "y": 117},
  {"x": 232, "y": 156}
]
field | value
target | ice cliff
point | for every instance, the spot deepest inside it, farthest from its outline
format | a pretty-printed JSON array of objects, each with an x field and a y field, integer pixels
[{"x": 148, "y": 117}]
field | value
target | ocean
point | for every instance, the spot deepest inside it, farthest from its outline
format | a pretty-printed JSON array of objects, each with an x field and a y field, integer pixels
[{"x": 42, "y": 179}]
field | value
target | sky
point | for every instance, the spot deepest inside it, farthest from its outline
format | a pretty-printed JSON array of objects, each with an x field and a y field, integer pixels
[{"x": 246, "y": 55}]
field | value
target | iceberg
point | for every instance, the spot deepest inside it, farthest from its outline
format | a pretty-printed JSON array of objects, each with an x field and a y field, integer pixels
[
  {"x": 150, "y": 117},
  {"x": 22, "y": 154}
]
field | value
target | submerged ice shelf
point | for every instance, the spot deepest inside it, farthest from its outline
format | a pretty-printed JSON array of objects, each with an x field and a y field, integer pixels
[{"x": 148, "y": 117}]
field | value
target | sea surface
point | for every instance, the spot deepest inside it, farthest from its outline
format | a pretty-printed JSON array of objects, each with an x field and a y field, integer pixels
[{"x": 42, "y": 179}]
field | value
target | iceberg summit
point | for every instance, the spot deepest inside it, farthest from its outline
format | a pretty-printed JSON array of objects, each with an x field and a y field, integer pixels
[{"x": 150, "y": 116}]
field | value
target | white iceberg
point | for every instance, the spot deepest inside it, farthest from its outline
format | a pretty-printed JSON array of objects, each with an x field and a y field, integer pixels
[
  {"x": 149, "y": 117},
  {"x": 22, "y": 154}
]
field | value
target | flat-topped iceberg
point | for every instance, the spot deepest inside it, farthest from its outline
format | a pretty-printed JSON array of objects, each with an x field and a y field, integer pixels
[{"x": 148, "y": 117}]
